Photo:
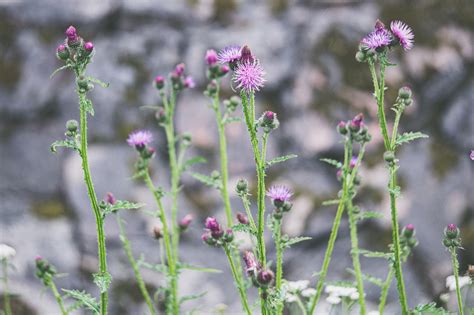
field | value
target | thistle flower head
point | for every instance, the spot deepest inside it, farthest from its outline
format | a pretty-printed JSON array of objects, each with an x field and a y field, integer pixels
[
  {"x": 71, "y": 33},
  {"x": 249, "y": 76},
  {"x": 6, "y": 252},
  {"x": 212, "y": 224},
  {"x": 229, "y": 54},
  {"x": 140, "y": 138},
  {"x": 242, "y": 218},
  {"x": 88, "y": 47},
  {"x": 279, "y": 193},
  {"x": 211, "y": 57},
  {"x": 377, "y": 39},
  {"x": 265, "y": 277},
  {"x": 403, "y": 34},
  {"x": 251, "y": 264},
  {"x": 189, "y": 82},
  {"x": 179, "y": 70},
  {"x": 185, "y": 221}
]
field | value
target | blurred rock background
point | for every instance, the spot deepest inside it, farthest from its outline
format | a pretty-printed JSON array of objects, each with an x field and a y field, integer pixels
[{"x": 313, "y": 81}]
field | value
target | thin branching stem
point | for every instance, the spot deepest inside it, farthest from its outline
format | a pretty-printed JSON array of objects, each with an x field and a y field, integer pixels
[
  {"x": 455, "y": 262},
  {"x": 58, "y": 297},
  {"x": 238, "y": 281},
  {"x": 385, "y": 288}
]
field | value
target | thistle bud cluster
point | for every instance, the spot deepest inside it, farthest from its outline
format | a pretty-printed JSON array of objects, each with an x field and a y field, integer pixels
[
  {"x": 215, "y": 235},
  {"x": 452, "y": 237},
  {"x": 261, "y": 278},
  {"x": 268, "y": 121},
  {"x": 408, "y": 240},
  {"x": 214, "y": 69},
  {"x": 355, "y": 129},
  {"x": 75, "y": 50},
  {"x": 179, "y": 81},
  {"x": 404, "y": 97},
  {"x": 44, "y": 270}
]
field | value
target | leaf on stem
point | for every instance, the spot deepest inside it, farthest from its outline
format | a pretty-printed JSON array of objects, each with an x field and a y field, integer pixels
[
  {"x": 208, "y": 180},
  {"x": 246, "y": 228},
  {"x": 192, "y": 161},
  {"x": 85, "y": 299},
  {"x": 58, "y": 70},
  {"x": 101, "y": 83},
  {"x": 280, "y": 159},
  {"x": 332, "y": 162},
  {"x": 191, "y": 297},
  {"x": 331, "y": 202},
  {"x": 409, "y": 136},
  {"x": 369, "y": 215},
  {"x": 197, "y": 268},
  {"x": 102, "y": 280},
  {"x": 287, "y": 243},
  {"x": 88, "y": 107},
  {"x": 119, "y": 205},
  {"x": 71, "y": 144},
  {"x": 229, "y": 120},
  {"x": 375, "y": 254},
  {"x": 429, "y": 308},
  {"x": 374, "y": 280}
]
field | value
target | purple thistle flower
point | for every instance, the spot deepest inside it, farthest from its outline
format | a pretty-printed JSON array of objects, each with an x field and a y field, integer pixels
[
  {"x": 249, "y": 76},
  {"x": 472, "y": 155},
  {"x": 179, "y": 70},
  {"x": 279, "y": 195},
  {"x": 353, "y": 162},
  {"x": 89, "y": 46},
  {"x": 377, "y": 39},
  {"x": 189, "y": 82},
  {"x": 403, "y": 33},
  {"x": 211, "y": 57},
  {"x": 212, "y": 224},
  {"x": 139, "y": 139},
  {"x": 229, "y": 54},
  {"x": 185, "y": 221},
  {"x": 71, "y": 33}
]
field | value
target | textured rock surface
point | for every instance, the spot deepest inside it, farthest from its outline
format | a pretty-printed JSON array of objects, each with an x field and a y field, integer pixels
[{"x": 307, "y": 50}]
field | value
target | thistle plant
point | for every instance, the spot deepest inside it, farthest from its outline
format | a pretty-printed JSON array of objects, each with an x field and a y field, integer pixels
[
  {"x": 452, "y": 241},
  {"x": 46, "y": 273},
  {"x": 374, "y": 50},
  {"x": 6, "y": 254}
]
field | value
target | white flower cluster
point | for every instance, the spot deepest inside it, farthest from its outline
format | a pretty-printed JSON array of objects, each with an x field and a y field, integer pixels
[
  {"x": 6, "y": 252},
  {"x": 451, "y": 282},
  {"x": 293, "y": 288},
  {"x": 337, "y": 293}
]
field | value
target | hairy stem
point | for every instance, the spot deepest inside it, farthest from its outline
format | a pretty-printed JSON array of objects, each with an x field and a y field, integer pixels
[
  {"x": 238, "y": 280},
  {"x": 332, "y": 236},
  {"x": 136, "y": 269},
  {"x": 378, "y": 90},
  {"x": 455, "y": 262},
  {"x": 6, "y": 292},
  {"x": 279, "y": 262},
  {"x": 168, "y": 245},
  {"x": 94, "y": 203},
  {"x": 385, "y": 288},
  {"x": 58, "y": 297}
]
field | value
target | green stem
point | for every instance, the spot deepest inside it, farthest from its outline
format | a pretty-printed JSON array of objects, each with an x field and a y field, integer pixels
[
  {"x": 246, "y": 203},
  {"x": 240, "y": 285},
  {"x": 94, "y": 203},
  {"x": 6, "y": 293},
  {"x": 455, "y": 262},
  {"x": 379, "y": 92},
  {"x": 58, "y": 297},
  {"x": 355, "y": 242},
  {"x": 301, "y": 305},
  {"x": 332, "y": 236},
  {"x": 279, "y": 262},
  {"x": 385, "y": 288},
  {"x": 223, "y": 157},
  {"x": 168, "y": 245},
  {"x": 136, "y": 269}
]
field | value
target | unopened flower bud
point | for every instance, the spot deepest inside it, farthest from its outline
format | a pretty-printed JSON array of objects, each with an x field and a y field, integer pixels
[
  {"x": 242, "y": 218},
  {"x": 72, "y": 125},
  {"x": 148, "y": 152},
  {"x": 451, "y": 231},
  {"x": 356, "y": 123},
  {"x": 208, "y": 239},
  {"x": 251, "y": 265},
  {"x": 353, "y": 162},
  {"x": 157, "y": 232},
  {"x": 189, "y": 82},
  {"x": 379, "y": 25},
  {"x": 185, "y": 222},
  {"x": 186, "y": 139},
  {"x": 265, "y": 277},
  {"x": 62, "y": 52},
  {"x": 361, "y": 56},
  {"x": 389, "y": 156},
  {"x": 246, "y": 55},
  {"x": 223, "y": 70},
  {"x": 408, "y": 231},
  {"x": 88, "y": 47},
  {"x": 71, "y": 33},
  {"x": 179, "y": 70},
  {"x": 211, "y": 88},
  {"x": 228, "y": 236},
  {"x": 242, "y": 187},
  {"x": 286, "y": 207},
  {"x": 342, "y": 128},
  {"x": 159, "y": 82},
  {"x": 269, "y": 121},
  {"x": 404, "y": 92},
  {"x": 161, "y": 115},
  {"x": 83, "y": 83},
  {"x": 110, "y": 198},
  {"x": 211, "y": 57}
]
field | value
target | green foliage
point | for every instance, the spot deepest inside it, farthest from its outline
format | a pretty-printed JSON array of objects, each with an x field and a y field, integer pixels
[
  {"x": 332, "y": 162},
  {"x": 68, "y": 66},
  {"x": 369, "y": 215},
  {"x": 214, "y": 182},
  {"x": 374, "y": 280},
  {"x": 288, "y": 242},
  {"x": 87, "y": 105},
  {"x": 85, "y": 300},
  {"x": 430, "y": 308},
  {"x": 101, "y": 83},
  {"x": 102, "y": 280},
  {"x": 71, "y": 144},
  {"x": 197, "y": 268},
  {"x": 375, "y": 254},
  {"x": 192, "y": 297},
  {"x": 229, "y": 120},
  {"x": 280, "y": 159},
  {"x": 119, "y": 205},
  {"x": 246, "y": 228},
  {"x": 409, "y": 136},
  {"x": 191, "y": 162},
  {"x": 331, "y": 202}
]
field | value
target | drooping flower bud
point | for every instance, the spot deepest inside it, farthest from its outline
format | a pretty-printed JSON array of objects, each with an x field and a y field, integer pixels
[
  {"x": 265, "y": 277},
  {"x": 242, "y": 218},
  {"x": 185, "y": 222},
  {"x": 159, "y": 82},
  {"x": 62, "y": 52}
]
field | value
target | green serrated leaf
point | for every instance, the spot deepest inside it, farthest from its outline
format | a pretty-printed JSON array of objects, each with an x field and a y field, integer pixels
[
  {"x": 190, "y": 162},
  {"x": 246, "y": 228},
  {"x": 85, "y": 299},
  {"x": 197, "y": 268},
  {"x": 430, "y": 308},
  {"x": 59, "y": 69},
  {"x": 332, "y": 162},
  {"x": 369, "y": 215},
  {"x": 119, "y": 205},
  {"x": 229, "y": 120},
  {"x": 102, "y": 280},
  {"x": 294, "y": 240},
  {"x": 409, "y": 136},
  {"x": 155, "y": 267},
  {"x": 101, "y": 83},
  {"x": 331, "y": 202},
  {"x": 375, "y": 254},
  {"x": 71, "y": 144},
  {"x": 207, "y": 180},
  {"x": 280, "y": 159},
  {"x": 374, "y": 280},
  {"x": 191, "y": 297}
]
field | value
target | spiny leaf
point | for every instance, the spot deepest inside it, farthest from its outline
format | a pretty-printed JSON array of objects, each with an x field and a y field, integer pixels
[
  {"x": 332, "y": 162},
  {"x": 102, "y": 280},
  {"x": 374, "y": 254},
  {"x": 212, "y": 182},
  {"x": 294, "y": 240},
  {"x": 101, "y": 83},
  {"x": 374, "y": 280},
  {"x": 229, "y": 120},
  {"x": 120, "y": 204},
  {"x": 429, "y": 308},
  {"x": 59, "y": 69},
  {"x": 71, "y": 144},
  {"x": 197, "y": 268},
  {"x": 330, "y": 202},
  {"x": 369, "y": 215},
  {"x": 85, "y": 298},
  {"x": 246, "y": 228},
  {"x": 280, "y": 159},
  {"x": 409, "y": 136},
  {"x": 191, "y": 297},
  {"x": 194, "y": 160},
  {"x": 156, "y": 267}
]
